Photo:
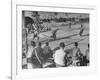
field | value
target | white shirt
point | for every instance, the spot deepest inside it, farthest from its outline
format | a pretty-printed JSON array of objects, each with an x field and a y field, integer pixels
[
  {"x": 59, "y": 57},
  {"x": 30, "y": 51}
]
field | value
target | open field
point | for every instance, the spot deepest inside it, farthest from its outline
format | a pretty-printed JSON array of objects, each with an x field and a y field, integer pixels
[{"x": 66, "y": 35}]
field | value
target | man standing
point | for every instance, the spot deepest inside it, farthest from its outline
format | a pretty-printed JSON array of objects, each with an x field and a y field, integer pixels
[
  {"x": 81, "y": 31},
  {"x": 31, "y": 48},
  {"x": 76, "y": 55},
  {"x": 76, "y": 50},
  {"x": 59, "y": 56},
  {"x": 39, "y": 53},
  {"x": 54, "y": 33},
  {"x": 87, "y": 55}
]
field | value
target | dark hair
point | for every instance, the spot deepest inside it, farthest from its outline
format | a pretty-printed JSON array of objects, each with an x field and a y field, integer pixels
[
  {"x": 33, "y": 43},
  {"x": 47, "y": 43},
  {"x": 76, "y": 44},
  {"x": 62, "y": 44}
]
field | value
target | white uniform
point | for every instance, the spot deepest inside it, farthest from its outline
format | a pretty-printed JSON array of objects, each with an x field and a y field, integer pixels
[{"x": 59, "y": 57}]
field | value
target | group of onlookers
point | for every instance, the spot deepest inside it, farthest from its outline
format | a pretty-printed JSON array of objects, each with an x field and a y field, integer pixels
[
  {"x": 74, "y": 58},
  {"x": 37, "y": 56}
]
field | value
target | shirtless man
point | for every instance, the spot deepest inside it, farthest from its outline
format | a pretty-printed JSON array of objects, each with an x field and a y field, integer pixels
[{"x": 76, "y": 54}]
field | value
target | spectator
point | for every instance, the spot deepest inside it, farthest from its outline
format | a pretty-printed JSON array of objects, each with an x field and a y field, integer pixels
[
  {"x": 76, "y": 50},
  {"x": 39, "y": 53},
  {"x": 84, "y": 60},
  {"x": 54, "y": 32},
  {"x": 30, "y": 54},
  {"x": 59, "y": 56},
  {"x": 47, "y": 51}
]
